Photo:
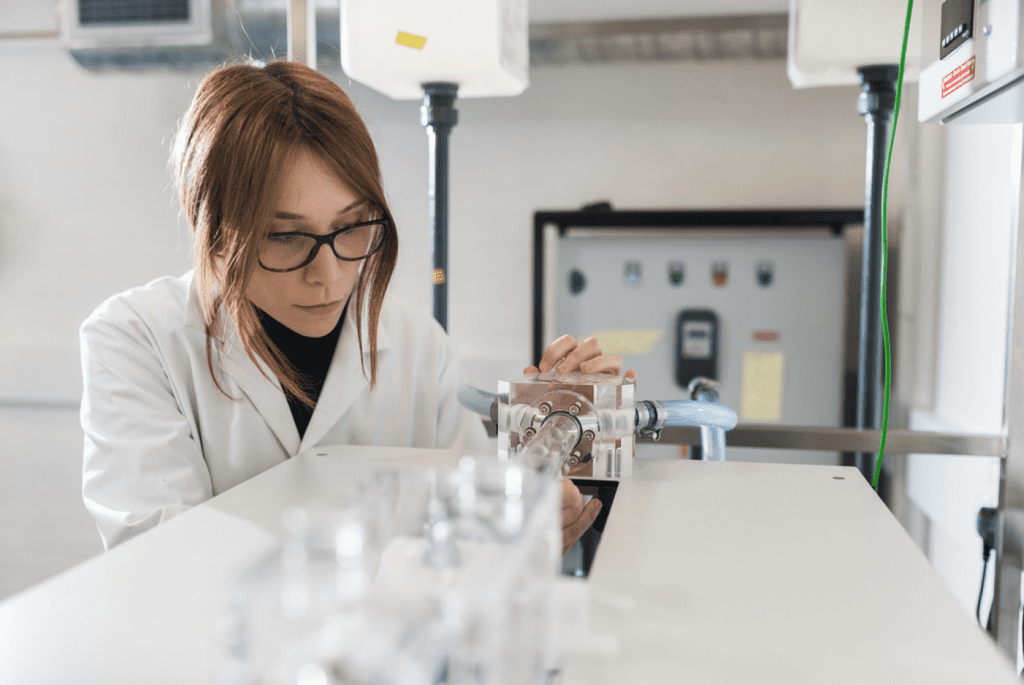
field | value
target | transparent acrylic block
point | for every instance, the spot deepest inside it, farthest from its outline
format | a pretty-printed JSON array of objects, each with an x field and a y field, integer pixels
[{"x": 601, "y": 405}]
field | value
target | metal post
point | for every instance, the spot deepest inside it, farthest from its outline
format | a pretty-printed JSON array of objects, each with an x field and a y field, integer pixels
[
  {"x": 302, "y": 32},
  {"x": 876, "y": 104},
  {"x": 439, "y": 115}
]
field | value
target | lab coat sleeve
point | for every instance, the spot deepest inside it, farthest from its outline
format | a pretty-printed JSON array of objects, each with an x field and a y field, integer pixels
[
  {"x": 143, "y": 464},
  {"x": 458, "y": 428}
]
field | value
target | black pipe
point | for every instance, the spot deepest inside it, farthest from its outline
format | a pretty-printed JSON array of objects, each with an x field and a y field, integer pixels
[
  {"x": 439, "y": 115},
  {"x": 876, "y": 104}
]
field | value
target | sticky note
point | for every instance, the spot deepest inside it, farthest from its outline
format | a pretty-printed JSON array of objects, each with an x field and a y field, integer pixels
[
  {"x": 762, "y": 386},
  {"x": 629, "y": 341},
  {"x": 410, "y": 41}
]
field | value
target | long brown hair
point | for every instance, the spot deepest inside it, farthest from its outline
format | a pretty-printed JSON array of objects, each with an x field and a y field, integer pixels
[{"x": 245, "y": 122}]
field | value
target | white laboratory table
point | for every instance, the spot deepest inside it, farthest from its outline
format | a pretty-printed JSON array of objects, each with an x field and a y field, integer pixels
[{"x": 706, "y": 573}]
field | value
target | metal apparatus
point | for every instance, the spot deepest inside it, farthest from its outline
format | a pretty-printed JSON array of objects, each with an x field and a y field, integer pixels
[{"x": 584, "y": 425}]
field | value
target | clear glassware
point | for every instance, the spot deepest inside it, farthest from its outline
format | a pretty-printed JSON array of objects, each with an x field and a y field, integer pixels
[{"x": 426, "y": 577}]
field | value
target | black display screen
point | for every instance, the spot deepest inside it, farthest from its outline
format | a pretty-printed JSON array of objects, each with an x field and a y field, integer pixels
[{"x": 957, "y": 25}]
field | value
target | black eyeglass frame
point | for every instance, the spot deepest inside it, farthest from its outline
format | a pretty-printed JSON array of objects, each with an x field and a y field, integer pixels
[{"x": 328, "y": 239}]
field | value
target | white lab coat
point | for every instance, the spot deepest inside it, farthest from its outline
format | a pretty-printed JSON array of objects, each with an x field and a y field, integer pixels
[{"x": 161, "y": 438}]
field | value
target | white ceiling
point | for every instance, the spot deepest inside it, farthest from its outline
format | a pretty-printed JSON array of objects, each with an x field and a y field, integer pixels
[{"x": 603, "y": 10}]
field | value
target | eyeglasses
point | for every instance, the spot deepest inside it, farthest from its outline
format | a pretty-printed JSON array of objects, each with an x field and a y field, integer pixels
[{"x": 293, "y": 250}]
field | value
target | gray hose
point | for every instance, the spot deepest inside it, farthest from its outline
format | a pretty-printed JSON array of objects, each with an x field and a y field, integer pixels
[{"x": 483, "y": 403}]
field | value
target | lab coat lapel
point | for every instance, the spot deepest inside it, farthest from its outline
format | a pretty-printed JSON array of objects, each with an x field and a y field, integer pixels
[
  {"x": 346, "y": 380},
  {"x": 263, "y": 391}
]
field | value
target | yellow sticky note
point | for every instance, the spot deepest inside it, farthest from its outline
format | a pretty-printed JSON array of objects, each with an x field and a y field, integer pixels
[
  {"x": 411, "y": 41},
  {"x": 629, "y": 341},
  {"x": 762, "y": 386}
]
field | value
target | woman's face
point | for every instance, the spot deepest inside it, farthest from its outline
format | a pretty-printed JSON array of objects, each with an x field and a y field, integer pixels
[{"x": 309, "y": 300}]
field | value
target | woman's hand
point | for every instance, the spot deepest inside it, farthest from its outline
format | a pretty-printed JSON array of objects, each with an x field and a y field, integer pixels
[
  {"x": 576, "y": 517},
  {"x": 565, "y": 355}
]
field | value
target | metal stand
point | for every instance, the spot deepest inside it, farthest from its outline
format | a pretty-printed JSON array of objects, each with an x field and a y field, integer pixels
[
  {"x": 439, "y": 115},
  {"x": 876, "y": 104}
]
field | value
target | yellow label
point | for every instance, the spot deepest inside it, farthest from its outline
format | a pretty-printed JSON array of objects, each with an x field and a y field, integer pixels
[
  {"x": 629, "y": 341},
  {"x": 410, "y": 41},
  {"x": 762, "y": 386},
  {"x": 438, "y": 276}
]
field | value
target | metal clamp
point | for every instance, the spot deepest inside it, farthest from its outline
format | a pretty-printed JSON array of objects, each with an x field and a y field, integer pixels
[{"x": 650, "y": 419}]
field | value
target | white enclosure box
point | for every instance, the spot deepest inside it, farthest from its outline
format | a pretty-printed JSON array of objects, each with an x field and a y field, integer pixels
[
  {"x": 829, "y": 41},
  {"x": 974, "y": 64},
  {"x": 395, "y": 46}
]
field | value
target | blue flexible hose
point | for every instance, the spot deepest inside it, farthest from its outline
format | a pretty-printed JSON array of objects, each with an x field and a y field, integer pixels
[
  {"x": 694, "y": 413},
  {"x": 476, "y": 400}
]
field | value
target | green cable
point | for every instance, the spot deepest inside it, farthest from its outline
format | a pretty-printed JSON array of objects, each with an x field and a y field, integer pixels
[{"x": 885, "y": 252}]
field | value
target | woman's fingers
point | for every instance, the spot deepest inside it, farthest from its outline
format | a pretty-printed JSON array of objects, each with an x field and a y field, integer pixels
[
  {"x": 565, "y": 355},
  {"x": 586, "y": 350},
  {"x": 605, "y": 363},
  {"x": 575, "y": 530},
  {"x": 572, "y": 502},
  {"x": 555, "y": 352},
  {"x": 576, "y": 517}
]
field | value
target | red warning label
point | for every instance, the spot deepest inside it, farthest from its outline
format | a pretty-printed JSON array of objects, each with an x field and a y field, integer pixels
[{"x": 958, "y": 77}]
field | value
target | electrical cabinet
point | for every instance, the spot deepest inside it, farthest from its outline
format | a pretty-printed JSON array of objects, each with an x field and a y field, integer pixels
[{"x": 763, "y": 312}]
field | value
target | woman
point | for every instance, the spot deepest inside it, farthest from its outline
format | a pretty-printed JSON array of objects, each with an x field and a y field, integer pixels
[{"x": 281, "y": 339}]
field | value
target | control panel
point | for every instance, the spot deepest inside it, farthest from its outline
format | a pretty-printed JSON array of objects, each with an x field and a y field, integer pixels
[{"x": 763, "y": 315}]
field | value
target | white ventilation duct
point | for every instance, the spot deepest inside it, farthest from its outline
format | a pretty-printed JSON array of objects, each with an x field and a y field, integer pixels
[{"x": 143, "y": 35}]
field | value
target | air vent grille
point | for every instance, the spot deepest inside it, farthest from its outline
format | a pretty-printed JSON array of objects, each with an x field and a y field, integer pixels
[
  {"x": 96, "y": 12},
  {"x": 756, "y": 37}
]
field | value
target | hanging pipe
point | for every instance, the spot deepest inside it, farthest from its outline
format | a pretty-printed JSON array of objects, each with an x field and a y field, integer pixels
[
  {"x": 439, "y": 115},
  {"x": 876, "y": 104}
]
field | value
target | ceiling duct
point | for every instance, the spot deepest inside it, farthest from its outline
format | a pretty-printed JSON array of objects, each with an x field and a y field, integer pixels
[
  {"x": 142, "y": 35},
  {"x": 757, "y": 37}
]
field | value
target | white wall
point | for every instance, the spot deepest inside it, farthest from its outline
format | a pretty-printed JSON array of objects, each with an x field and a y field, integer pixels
[
  {"x": 86, "y": 209},
  {"x": 969, "y": 381}
]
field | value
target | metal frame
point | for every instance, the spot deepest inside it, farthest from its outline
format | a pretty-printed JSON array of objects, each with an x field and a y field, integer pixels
[
  {"x": 1006, "y": 603},
  {"x": 832, "y": 439}
]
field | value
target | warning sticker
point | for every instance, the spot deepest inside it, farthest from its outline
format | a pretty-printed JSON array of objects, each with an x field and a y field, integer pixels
[{"x": 958, "y": 77}]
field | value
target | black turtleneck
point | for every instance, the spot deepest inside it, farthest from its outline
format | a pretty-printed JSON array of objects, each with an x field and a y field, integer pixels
[{"x": 311, "y": 356}]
